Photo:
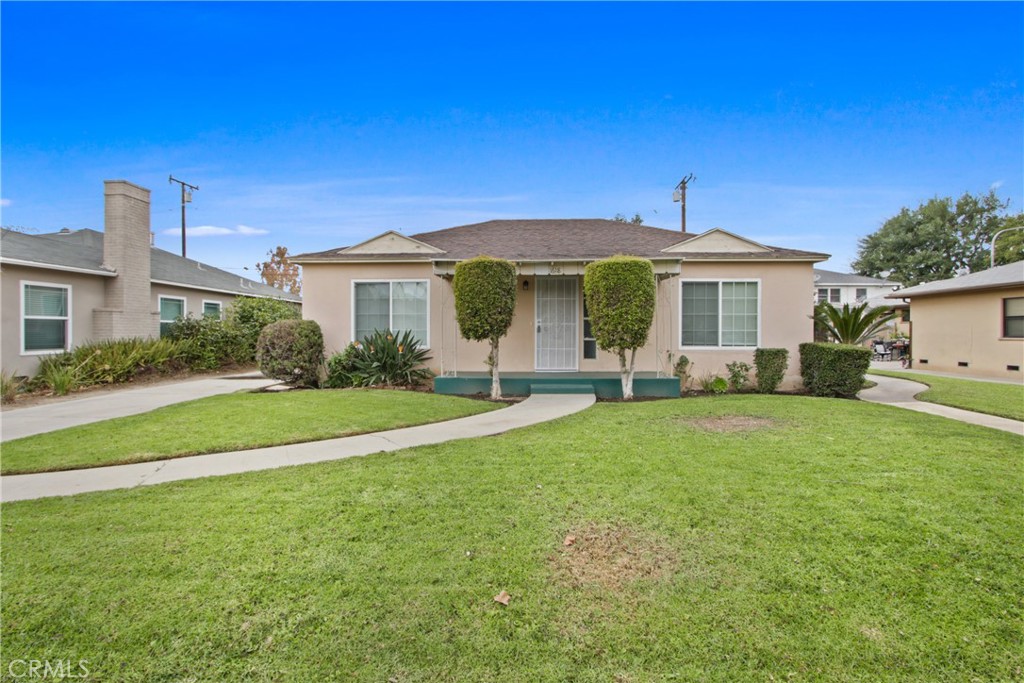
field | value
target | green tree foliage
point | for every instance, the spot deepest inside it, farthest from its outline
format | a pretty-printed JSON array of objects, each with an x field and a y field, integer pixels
[
  {"x": 485, "y": 301},
  {"x": 251, "y": 314},
  {"x": 637, "y": 219},
  {"x": 292, "y": 351},
  {"x": 621, "y": 296},
  {"x": 852, "y": 325},
  {"x": 935, "y": 241},
  {"x": 1010, "y": 245}
]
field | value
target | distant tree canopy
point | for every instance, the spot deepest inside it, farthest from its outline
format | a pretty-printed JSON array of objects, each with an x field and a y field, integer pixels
[
  {"x": 939, "y": 239},
  {"x": 637, "y": 219},
  {"x": 280, "y": 272},
  {"x": 1010, "y": 245}
]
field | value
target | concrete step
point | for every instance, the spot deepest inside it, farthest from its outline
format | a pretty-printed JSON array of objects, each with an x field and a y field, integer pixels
[{"x": 566, "y": 388}]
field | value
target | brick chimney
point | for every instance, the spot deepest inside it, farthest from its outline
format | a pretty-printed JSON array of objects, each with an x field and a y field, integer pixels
[{"x": 128, "y": 310}]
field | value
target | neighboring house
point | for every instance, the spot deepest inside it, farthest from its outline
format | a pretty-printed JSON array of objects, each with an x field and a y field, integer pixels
[
  {"x": 720, "y": 296},
  {"x": 65, "y": 288},
  {"x": 846, "y": 288},
  {"x": 972, "y": 324}
]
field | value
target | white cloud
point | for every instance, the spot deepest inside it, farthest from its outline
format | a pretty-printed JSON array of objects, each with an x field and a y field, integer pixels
[
  {"x": 5, "y": 202},
  {"x": 996, "y": 185},
  {"x": 216, "y": 231}
]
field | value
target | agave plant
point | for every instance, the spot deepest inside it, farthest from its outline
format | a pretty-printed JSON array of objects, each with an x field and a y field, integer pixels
[
  {"x": 852, "y": 325},
  {"x": 382, "y": 359}
]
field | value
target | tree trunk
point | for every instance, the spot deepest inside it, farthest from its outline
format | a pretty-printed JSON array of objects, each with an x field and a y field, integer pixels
[
  {"x": 495, "y": 380},
  {"x": 624, "y": 375},
  {"x": 628, "y": 393}
]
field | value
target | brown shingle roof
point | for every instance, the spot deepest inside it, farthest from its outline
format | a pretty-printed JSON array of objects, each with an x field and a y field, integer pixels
[{"x": 581, "y": 239}]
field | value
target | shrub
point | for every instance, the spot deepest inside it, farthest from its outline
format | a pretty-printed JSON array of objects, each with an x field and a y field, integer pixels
[
  {"x": 739, "y": 374},
  {"x": 292, "y": 351},
  {"x": 621, "y": 295},
  {"x": 485, "y": 301},
  {"x": 208, "y": 343},
  {"x": 383, "y": 360},
  {"x": 250, "y": 315},
  {"x": 771, "y": 367},
  {"x": 107, "y": 362},
  {"x": 713, "y": 384},
  {"x": 341, "y": 368},
  {"x": 833, "y": 369},
  {"x": 9, "y": 386}
]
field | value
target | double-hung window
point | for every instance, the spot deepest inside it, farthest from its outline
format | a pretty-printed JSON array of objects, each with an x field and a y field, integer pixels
[
  {"x": 1013, "y": 317},
  {"x": 720, "y": 313},
  {"x": 171, "y": 308},
  {"x": 396, "y": 305},
  {"x": 45, "y": 316},
  {"x": 212, "y": 309}
]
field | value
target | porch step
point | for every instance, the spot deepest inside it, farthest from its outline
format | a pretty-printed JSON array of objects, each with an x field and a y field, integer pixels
[{"x": 574, "y": 388}]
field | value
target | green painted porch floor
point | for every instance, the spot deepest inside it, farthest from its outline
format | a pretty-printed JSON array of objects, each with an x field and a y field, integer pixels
[{"x": 603, "y": 384}]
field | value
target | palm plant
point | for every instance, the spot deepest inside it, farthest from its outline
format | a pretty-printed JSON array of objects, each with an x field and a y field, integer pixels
[{"x": 852, "y": 325}]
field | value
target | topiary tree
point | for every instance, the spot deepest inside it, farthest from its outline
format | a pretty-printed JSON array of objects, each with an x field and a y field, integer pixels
[
  {"x": 292, "y": 351},
  {"x": 485, "y": 301},
  {"x": 621, "y": 296}
]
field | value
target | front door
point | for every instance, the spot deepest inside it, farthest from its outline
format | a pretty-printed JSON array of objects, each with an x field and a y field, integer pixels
[{"x": 557, "y": 315}]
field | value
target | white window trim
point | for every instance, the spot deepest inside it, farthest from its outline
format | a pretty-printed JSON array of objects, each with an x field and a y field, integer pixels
[
  {"x": 720, "y": 281},
  {"x": 220, "y": 307},
  {"x": 68, "y": 318},
  {"x": 160, "y": 306},
  {"x": 424, "y": 343}
]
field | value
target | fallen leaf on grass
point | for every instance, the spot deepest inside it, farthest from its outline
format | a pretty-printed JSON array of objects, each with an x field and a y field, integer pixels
[
  {"x": 502, "y": 597},
  {"x": 569, "y": 540}
]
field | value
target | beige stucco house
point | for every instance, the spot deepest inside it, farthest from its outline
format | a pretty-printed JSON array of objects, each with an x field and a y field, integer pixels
[
  {"x": 971, "y": 325},
  {"x": 720, "y": 296},
  {"x": 59, "y": 290}
]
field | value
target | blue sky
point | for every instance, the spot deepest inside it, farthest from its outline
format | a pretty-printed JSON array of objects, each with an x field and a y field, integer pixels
[{"x": 319, "y": 125}]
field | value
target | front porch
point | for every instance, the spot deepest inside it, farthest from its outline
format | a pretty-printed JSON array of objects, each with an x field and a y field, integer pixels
[{"x": 602, "y": 384}]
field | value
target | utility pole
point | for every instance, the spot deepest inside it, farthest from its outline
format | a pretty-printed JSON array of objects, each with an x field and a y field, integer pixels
[
  {"x": 680, "y": 196},
  {"x": 186, "y": 196}
]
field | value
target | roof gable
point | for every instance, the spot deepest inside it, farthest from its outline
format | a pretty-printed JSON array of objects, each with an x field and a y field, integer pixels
[
  {"x": 719, "y": 241},
  {"x": 391, "y": 242}
]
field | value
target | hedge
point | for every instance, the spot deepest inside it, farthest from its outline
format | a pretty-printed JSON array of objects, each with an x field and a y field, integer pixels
[
  {"x": 292, "y": 351},
  {"x": 771, "y": 367},
  {"x": 833, "y": 369}
]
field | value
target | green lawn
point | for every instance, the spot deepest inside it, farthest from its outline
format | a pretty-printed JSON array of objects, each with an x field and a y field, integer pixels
[
  {"x": 993, "y": 398},
  {"x": 231, "y": 422},
  {"x": 735, "y": 538}
]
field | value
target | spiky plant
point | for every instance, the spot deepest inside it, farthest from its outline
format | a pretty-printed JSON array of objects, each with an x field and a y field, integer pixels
[{"x": 852, "y": 325}]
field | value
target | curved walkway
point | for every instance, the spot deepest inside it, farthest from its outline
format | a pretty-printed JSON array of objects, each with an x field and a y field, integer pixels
[
  {"x": 534, "y": 410},
  {"x": 901, "y": 392}
]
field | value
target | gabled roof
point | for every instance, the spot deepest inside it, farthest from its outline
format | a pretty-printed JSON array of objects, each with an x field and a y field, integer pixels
[
  {"x": 571, "y": 239},
  {"x": 1000, "y": 277},
  {"x": 829, "y": 277},
  {"x": 82, "y": 251}
]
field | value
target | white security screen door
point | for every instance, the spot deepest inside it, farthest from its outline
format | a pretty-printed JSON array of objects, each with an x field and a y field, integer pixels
[{"x": 557, "y": 316}]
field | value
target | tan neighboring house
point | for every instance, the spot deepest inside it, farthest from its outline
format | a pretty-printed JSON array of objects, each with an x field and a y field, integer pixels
[
  {"x": 62, "y": 289},
  {"x": 720, "y": 296},
  {"x": 972, "y": 324}
]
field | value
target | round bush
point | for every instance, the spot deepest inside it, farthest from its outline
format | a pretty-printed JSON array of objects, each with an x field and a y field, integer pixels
[{"x": 291, "y": 351}]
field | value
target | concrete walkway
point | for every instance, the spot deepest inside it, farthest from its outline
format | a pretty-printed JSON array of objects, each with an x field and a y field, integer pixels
[
  {"x": 536, "y": 409},
  {"x": 901, "y": 392},
  {"x": 17, "y": 422}
]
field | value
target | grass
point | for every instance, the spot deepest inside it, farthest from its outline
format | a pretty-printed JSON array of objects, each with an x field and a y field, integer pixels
[
  {"x": 230, "y": 422},
  {"x": 993, "y": 398},
  {"x": 734, "y": 538}
]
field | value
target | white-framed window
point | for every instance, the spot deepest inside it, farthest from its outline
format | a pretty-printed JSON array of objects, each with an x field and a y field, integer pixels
[
  {"x": 831, "y": 295},
  {"x": 45, "y": 317},
  {"x": 1013, "y": 318},
  {"x": 212, "y": 309},
  {"x": 396, "y": 305},
  {"x": 862, "y": 294},
  {"x": 720, "y": 313},
  {"x": 171, "y": 308}
]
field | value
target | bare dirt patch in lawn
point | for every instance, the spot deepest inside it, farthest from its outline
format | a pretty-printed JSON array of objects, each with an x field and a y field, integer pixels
[
  {"x": 610, "y": 557},
  {"x": 723, "y": 424}
]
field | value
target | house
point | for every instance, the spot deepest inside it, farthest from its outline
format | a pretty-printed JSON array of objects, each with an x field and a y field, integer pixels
[
  {"x": 65, "y": 288},
  {"x": 846, "y": 288},
  {"x": 720, "y": 296},
  {"x": 972, "y": 324}
]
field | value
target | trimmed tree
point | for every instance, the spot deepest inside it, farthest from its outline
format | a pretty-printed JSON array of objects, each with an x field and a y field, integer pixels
[
  {"x": 621, "y": 295},
  {"x": 485, "y": 301}
]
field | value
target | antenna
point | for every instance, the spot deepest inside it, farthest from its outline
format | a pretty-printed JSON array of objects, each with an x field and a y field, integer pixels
[
  {"x": 680, "y": 196},
  {"x": 186, "y": 197}
]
